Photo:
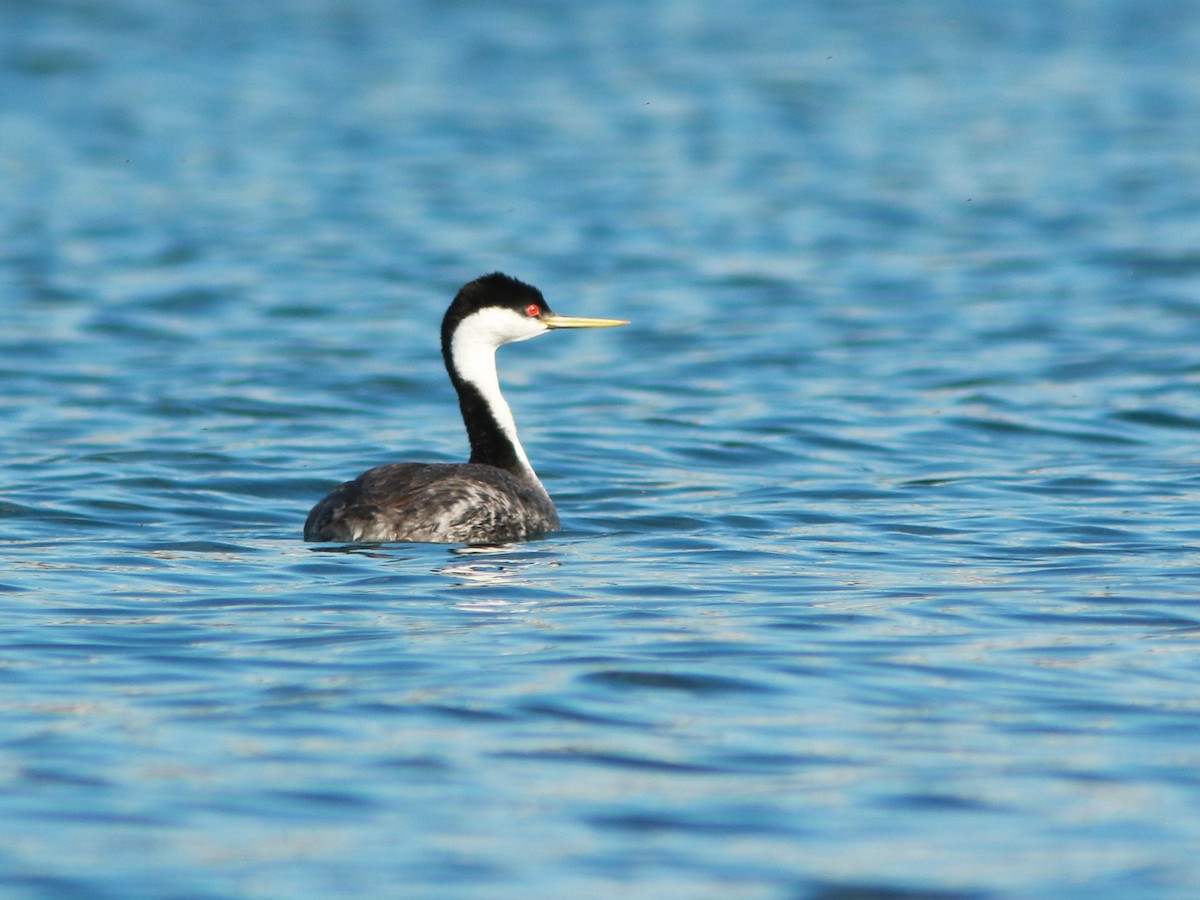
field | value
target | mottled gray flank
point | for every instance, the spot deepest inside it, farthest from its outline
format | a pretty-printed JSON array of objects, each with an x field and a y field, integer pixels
[{"x": 439, "y": 502}]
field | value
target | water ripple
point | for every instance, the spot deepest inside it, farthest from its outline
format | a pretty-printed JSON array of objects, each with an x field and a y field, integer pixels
[{"x": 878, "y": 568}]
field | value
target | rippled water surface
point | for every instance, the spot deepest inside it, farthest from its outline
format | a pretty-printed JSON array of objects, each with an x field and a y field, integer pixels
[{"x": 880, "y": 565}]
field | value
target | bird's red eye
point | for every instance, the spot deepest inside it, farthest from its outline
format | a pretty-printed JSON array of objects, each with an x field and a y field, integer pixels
[{"x": 532, "y": 310}]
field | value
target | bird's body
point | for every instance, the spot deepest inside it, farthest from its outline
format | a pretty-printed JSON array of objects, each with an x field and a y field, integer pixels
[
  {"x": 494, "y": 498},
  {"x": 446, "y": 503}
]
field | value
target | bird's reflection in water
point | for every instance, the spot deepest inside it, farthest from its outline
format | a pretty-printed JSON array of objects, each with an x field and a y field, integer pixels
[
  {"x": 473, "y": 566},
  {"x": 491, "y": 566}
]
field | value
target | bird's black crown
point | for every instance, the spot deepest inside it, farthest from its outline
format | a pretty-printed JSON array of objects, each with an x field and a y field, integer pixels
[{"x": 496, "y": 289}]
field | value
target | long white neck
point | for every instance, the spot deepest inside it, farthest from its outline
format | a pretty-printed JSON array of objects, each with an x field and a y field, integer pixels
[{"x": 473, "y": 356}]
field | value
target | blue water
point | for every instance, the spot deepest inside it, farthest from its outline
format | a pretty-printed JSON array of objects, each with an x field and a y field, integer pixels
[{"x": 880, "y": 574}]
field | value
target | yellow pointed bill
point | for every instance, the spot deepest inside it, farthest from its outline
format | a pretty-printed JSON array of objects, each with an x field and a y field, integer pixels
[{"x": 554, "y": 320}]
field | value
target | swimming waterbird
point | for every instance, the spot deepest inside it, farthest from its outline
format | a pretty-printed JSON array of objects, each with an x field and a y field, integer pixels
[{"x": 494, "y": 498}]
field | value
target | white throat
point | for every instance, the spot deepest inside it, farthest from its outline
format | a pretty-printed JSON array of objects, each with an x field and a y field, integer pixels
[{"x": 473, "y": 354}]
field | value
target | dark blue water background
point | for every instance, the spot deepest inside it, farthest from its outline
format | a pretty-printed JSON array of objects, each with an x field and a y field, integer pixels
[{"x": 880, "y": 570}]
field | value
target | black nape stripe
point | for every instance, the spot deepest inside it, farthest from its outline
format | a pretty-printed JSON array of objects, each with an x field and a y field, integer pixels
[{"x": 489, "y": 444}]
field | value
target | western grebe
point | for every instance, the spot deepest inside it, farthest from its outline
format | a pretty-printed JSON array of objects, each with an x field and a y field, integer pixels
[{"x": 494, "y": 498}]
